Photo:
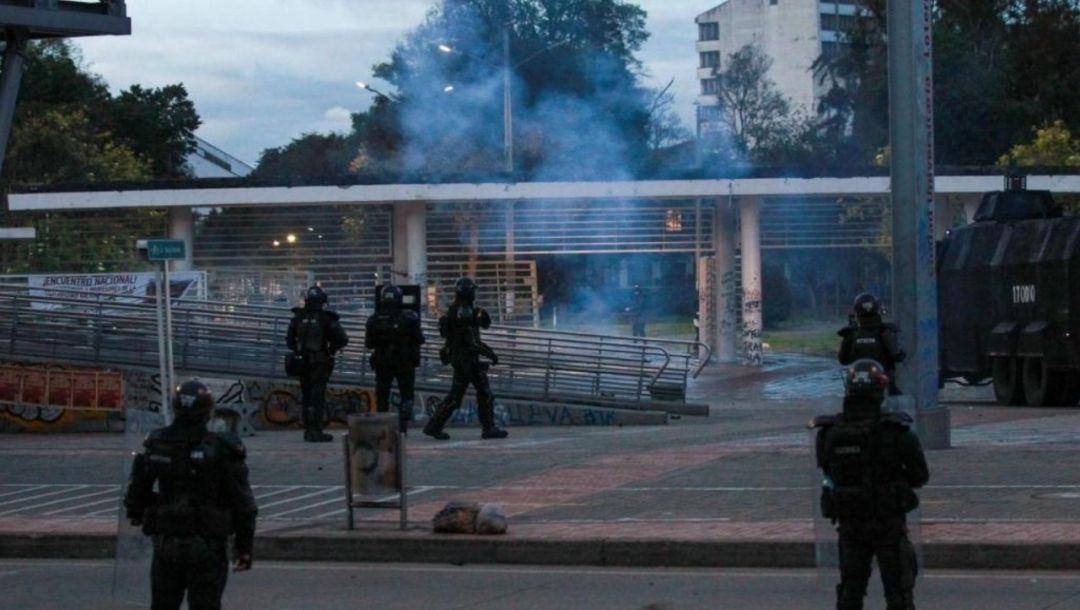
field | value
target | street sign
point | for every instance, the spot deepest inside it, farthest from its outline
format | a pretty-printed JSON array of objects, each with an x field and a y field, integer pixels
[{"x": 165, "y": 249}]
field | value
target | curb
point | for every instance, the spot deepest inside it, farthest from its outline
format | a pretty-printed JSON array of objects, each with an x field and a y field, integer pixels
[{"x": 463, "y": 549}]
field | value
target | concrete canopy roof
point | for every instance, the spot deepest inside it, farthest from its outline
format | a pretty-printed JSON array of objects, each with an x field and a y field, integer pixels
[{"x": 503, "y": 192}]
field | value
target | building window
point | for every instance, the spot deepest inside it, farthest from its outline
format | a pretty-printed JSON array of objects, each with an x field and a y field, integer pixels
[
  {"x": 710, "y": 86},
  {"x": 710, "y": 59},
  {"x": 709, "y": 31},
  {"x": 837, "y": 23},
  {"x": 708, "y": 114}
]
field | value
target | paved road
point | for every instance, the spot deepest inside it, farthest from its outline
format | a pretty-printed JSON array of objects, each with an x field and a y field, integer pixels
[
  {"x": 744, "y": 473},
  {"x": 316, "y": 586}
]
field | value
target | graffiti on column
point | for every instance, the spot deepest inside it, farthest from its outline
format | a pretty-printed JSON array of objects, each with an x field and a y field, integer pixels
[
  {"x": 728, "y": 285},
  {"x": 752, "y": 327}
]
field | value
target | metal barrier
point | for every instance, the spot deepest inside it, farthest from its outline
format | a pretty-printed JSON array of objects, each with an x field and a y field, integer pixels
[{"x": 241, "y": 340}]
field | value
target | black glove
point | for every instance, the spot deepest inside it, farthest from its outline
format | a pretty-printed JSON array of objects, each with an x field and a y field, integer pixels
[{"x": 494, "y": 360}]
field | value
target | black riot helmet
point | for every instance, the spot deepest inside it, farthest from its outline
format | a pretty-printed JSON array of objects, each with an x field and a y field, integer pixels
[
  {"x": 465, "y": 290},
  {"x": 866, "y": 305},
  {"x": 865, "y": 384},
  {"x": 192, "y": 400},
  {"x": 315, "y": 298},
  {"x": 390, "y": 297}
]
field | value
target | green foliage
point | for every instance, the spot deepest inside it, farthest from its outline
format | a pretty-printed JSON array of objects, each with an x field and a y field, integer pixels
[
  {"x": 1053, "y": 146},
  {"x": 69, "y": 129},
  {"x": 158, "y": 124},
  {"x": 1000, "y": 66},
  {"x": 310, "y": 156}
]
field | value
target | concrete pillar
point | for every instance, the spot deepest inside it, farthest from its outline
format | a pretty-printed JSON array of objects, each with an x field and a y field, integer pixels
[
  {"x": 724, "y": 298},
  {"x": 182, "y": 226},
  {"x": 416, "y": 238},
  {"x": 911, "y": 138},
  {"x": 750, "y": 221}
]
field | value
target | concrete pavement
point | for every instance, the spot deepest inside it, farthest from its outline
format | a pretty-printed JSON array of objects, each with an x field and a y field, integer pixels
[{"x": 734, "y": 489}]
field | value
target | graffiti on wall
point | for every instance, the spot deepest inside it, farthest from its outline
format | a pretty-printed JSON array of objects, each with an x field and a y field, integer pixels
[
  {"x": 42, "y": 397},
  {"x": 280, "y": 403}
]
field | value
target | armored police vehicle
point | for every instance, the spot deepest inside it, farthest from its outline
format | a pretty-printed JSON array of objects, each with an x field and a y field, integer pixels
[{"x": 1006, "y": 300}]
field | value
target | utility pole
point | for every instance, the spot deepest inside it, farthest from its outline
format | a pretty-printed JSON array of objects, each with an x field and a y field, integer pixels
[
  {"x": 911, "y": 138},
  {"x": 508, "y": 121}
]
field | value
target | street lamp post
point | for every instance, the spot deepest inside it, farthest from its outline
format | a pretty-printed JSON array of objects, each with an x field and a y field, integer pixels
[
  {"x": 507, "y": 70},
  {"x": 388, "y": 96}
]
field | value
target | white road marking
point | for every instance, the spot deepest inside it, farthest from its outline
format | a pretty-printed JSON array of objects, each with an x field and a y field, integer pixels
[
  {"x": 61, "y": 500},
  {"x": 66, "y": 489},
  {"x": 81, "y": 506},
  {"x": 336, "y": 488},
  {"x": 25, "y": 489},
  {"x": 275, "y": 493}
]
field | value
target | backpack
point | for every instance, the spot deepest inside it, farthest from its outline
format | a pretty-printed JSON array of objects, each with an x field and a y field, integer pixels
[
  {"x": 309, "y": 331},
  {"x": 850, "y": 455}
]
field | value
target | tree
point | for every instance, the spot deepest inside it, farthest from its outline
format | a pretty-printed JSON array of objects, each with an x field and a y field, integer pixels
[
  {"x": 577, "y": 107},
  {"x": 158, "y": 124},
  {"x": 311, "y": 156},
  {"x": 665, "y": 128},
  {"x": 69, "y": 129},
  {"x": 752, "y": 108},
  {"x": 1053, "y": 146}
]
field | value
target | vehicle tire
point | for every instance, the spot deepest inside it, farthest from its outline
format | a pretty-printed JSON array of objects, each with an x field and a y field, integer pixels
[
  {"x": 1042, "y": 386},
  {"x": 1008, "y": 385},
  {"x": 1072, "y": 392}
]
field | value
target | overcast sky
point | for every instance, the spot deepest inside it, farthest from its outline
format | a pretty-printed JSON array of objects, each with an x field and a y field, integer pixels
[{"x": 262, "y": 72}]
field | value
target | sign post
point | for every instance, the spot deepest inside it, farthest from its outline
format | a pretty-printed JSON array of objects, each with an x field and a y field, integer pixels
[{"x": 164, "y": 250}]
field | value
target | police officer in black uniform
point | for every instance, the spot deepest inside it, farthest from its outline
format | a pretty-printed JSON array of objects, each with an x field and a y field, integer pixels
[
  {"x": 394, "y": 335},
  {"x": 315, "y": 335},
  {"x": 637, "y": 311},
  {"x": 868, "y": 336},
  {"x": 872, "y": 462},
  {"x": 202, "y": 498},
  {"x": 460, "y": 326}
]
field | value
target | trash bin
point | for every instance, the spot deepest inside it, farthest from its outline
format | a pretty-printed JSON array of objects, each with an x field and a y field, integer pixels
[{"x": 373, "y": 449}]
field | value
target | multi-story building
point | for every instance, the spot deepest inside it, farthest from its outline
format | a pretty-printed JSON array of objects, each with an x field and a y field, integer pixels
[{"x": 791, "y": 32}]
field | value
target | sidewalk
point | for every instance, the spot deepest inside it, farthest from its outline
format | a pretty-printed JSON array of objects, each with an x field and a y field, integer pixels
[{"x": 734, "y": 489}]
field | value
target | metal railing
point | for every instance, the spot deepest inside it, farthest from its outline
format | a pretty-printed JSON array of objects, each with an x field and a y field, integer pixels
[{"x": 233, "y": 340}]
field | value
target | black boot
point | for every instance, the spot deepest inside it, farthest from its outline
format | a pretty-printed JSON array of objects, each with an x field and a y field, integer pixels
[
  {"x": 494, "y": 432},
  {"x": 434, "y": 426}
]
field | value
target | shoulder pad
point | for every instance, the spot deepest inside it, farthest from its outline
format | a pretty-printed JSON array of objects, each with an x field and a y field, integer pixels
[
  {"x": 897, "y": 418},
  {"x": 823, "y": 421},
  {"x": 297, "y": 310},
  {"x": 333, "y": 315},
  {"x": 153, "y": 437},
  {"x": 843, "y": 332},
  {"x": 232, "y": 443}
]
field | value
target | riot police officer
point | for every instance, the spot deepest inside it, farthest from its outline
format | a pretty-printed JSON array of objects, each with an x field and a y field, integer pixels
[
  {"x": 872, "y": 463},
  {"x": 868, "y": 336},
  {"x": 202, "y": 498},
  {"x": 460, "y": 326},
  {"x": 637, "y": 311},
  {"x": 315, "y": 335},
  {"x": 394, "y": 335}
]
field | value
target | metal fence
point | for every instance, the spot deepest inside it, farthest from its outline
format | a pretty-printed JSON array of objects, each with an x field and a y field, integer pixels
[{"x": 243, "y": 340}]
